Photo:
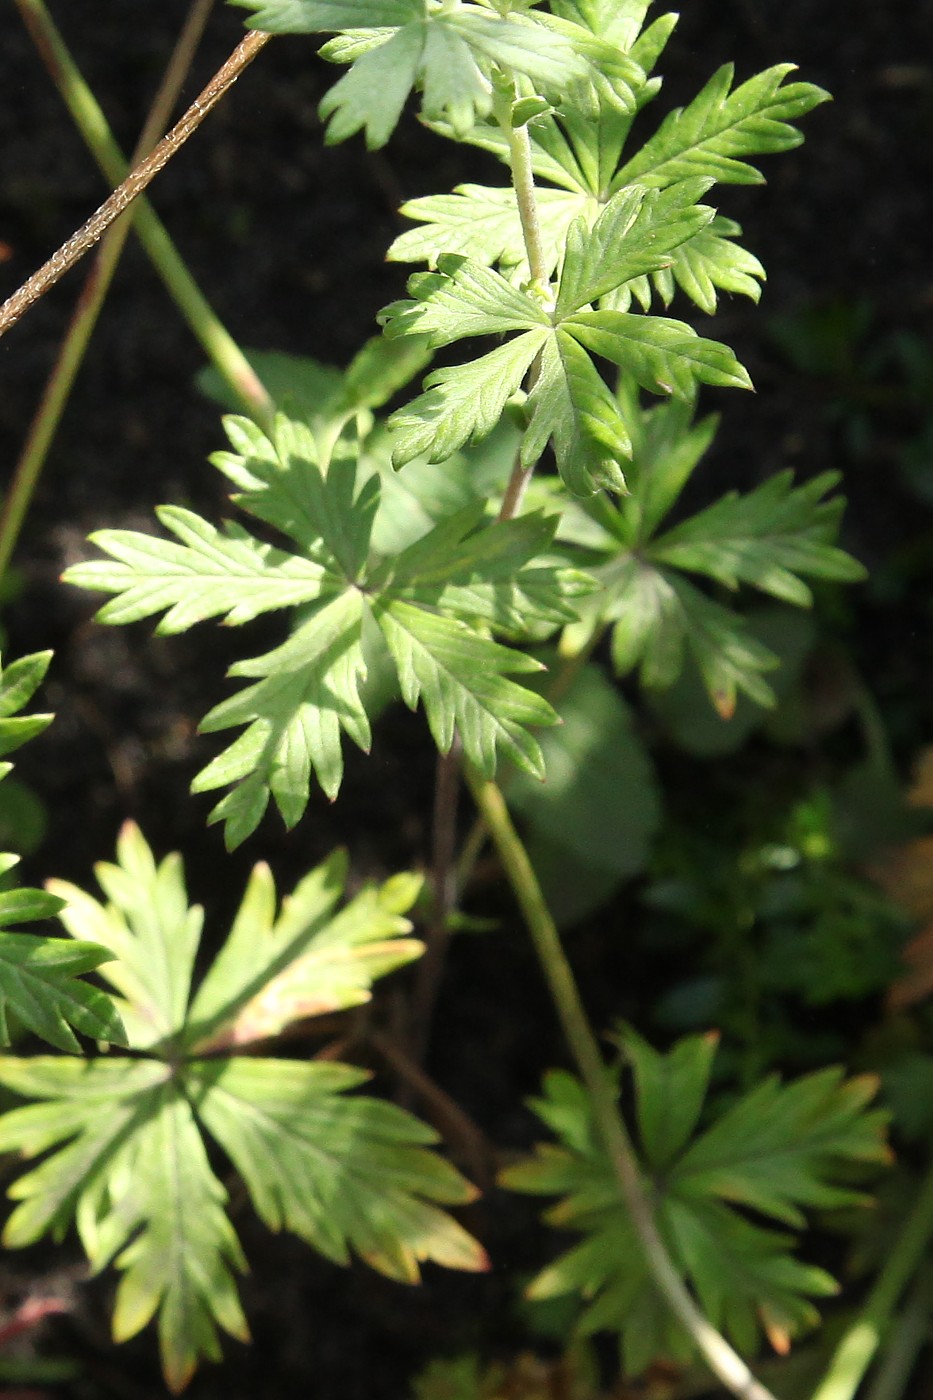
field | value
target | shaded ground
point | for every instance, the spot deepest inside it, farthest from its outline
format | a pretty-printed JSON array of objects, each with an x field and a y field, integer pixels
[{"x": 277, "y": 229}]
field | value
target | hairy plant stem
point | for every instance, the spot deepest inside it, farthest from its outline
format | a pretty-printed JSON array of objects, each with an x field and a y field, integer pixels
[
  {"x": 71, "y": 353},
  {"x": 523, "y": 182},
  {"x": 219, "y": 345},
  {"x": 858, "y": 1347},
  {"x": 722, "y": 1360}
]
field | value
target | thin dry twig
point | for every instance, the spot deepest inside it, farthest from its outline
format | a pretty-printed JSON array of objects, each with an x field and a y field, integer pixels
[
  {"x": 26, "y": 474},
  {"x": 135, "y": 183}
]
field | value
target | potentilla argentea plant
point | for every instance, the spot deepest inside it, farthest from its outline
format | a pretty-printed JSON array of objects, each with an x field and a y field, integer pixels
[{"x": 516, "y": 507}]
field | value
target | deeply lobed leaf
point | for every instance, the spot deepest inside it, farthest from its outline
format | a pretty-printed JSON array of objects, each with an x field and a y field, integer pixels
[
  {"x": 342, "y": 1173},
  {"x": 720, "y": 127},
  {"x": 779, "y": 1148},
  {"x": 306, "y": 694},
  {"x": 570, "y": 404},
  {"x": 772, "y": 538},
  {"x": 448, "y": 52},
  {"x": 775, "y": 539},
  {"x": 124, "y": 1141},
  {"x": 210, "y": 574}
]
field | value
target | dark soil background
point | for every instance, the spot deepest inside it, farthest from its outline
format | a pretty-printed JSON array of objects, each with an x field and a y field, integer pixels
[{"x": 286, "y": 239}]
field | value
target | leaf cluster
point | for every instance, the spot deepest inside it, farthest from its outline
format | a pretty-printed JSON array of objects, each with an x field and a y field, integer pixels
[
  {"x": 774, "y": 538},
  {"x": 125, "y": 1139},
  {"x": 717, "y": 1191},
  {"x": 569, "y": 403},
  {"x": 614, "y": 231},
  {"x": 432, "y": 607},
  {"x": 450, "y": 52}
]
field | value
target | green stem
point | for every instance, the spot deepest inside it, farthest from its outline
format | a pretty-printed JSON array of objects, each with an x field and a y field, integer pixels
[
  {"x": 571, "y": 664},
  {"x": 722, "y": 1360},
  {"x": 42, "y": 430},
  {"x": 856, "y": 1351},
  {"x": 219, "y": 345},
  {"x": 911, "y": 1333},
  {"x": 523, "y": 182}
]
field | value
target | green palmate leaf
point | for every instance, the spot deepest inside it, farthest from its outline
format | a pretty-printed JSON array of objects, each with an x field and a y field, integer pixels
[
  {"x": 209, "y": 574},
  {"x": 124, "y": 1139},
  {"x": 483, "y": 224},
  {"x": 781, "y": 1148},
  {"x": 712, "y": 135},
  {"x": 772, "y": 538},
  {"x": 305, "y": 694},
  {"x": 775, "y": 538},
  {"x": 462, "y": 679},
  {"x": 341, "y": 1173},
  {"x": 570, "y": 404},
  {"x": 449, "y": 52}
]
